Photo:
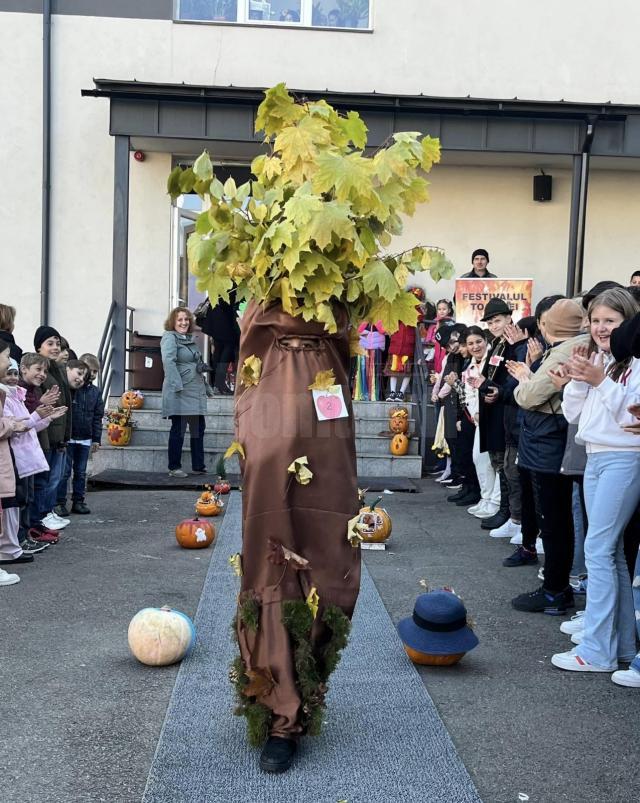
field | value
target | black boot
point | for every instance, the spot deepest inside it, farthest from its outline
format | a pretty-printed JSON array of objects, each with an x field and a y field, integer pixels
[
  {"x": 472, "y": 497},
  {"x": 277, "y": 754},
  {"x": 459, "y": 494},
  {"x": 503, "y": 514}
]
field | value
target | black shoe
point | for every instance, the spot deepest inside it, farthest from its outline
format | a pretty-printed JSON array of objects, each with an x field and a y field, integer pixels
[
  {"x": 464, "y": 491},
  {"x": 470, "y": 498},
  {"x": 521, "y": 557},
  {"x": 277, "y": 754},
  {"x": 454, "y": 483},
  {"x": 26, "y": 557},
  {"x": 80, "y": 507},
  {"x": 542, "y": 601},
  {"x": 32, "y": 547},
  {"x": 496, "y": 521},
  {"x": 61, "y": 510}
]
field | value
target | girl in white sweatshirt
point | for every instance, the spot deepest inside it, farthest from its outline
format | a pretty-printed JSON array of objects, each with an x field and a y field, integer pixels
[{"x": 597, "y": 394}]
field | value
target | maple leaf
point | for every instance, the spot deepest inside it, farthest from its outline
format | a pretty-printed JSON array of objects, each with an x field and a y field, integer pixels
[
  {"x": 354, "y": 128},
  {"x": 277, "y": 110},
  {"x": 349, "y": 176},
  {"x": 401, "y": 275},
  {"x": 430, "y": 153},
  {"x": 301, "y": 471},
  {"x": 313, "y": 601},
  {"x": 300, "y": 142},
  {"x": 354, "y": 534},
  {"x": 392, "y": 313},
  {"x": 250, "y": 371},
  {"x": 377, "y": 276},
  {"x": 279, "y": 555},
  {"x": 324, "y": 314},
  {"x": 355, "y": 349},
  {"x": 332, "y": 220},
  {"x": 302, "y": 205},
  {"x": 323, "y": 380},
  {"x": 233, "y": 448}
]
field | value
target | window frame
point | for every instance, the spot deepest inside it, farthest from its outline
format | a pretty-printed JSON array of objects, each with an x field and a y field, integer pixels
[{"x": 306, "y": 11}]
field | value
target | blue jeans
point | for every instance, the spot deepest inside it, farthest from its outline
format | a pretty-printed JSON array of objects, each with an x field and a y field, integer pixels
[
  {"x": 45, "y": 485},
  {"x": 611, "y": 491},
  {"x": 176, "y": 439},
  {"x": 579, "y": 529},
  {"x": 76, "y": 460},
  {"x": 635, "y": 664}
]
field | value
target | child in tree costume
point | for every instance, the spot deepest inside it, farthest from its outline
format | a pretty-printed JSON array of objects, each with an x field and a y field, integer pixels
[{"x": 304, "y": 250}]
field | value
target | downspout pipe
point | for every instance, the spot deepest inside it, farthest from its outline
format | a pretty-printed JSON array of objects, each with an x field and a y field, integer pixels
[
  {"x": 578, "y": 218},
  {"x": 46, "y": 162}
]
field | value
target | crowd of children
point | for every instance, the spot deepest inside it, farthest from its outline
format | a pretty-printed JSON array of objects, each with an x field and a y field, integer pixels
[
  {"x": 50, "y": 422},
  {"x": 541, "y": 422}
]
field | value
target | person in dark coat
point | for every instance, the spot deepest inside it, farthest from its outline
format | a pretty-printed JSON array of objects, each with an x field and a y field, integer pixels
[
  {"x": 221, "y": 325},
  {"x": 7, "y": 323},
  {"x": 479, "y": 266}
]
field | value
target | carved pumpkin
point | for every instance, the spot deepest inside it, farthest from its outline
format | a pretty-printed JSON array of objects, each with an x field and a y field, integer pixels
[
  {"x": 209, "y": 504},
  {"x": 399, "y": 420},
  {"x": 160, "y": 636},
  {"x": 118, "y": 435},
  {"x": 132, "y": 399},
  {"x": 375, "y": 523},
  {"x": 221, "y": 486},
  {"x": 426, "y": 659},
  {"x": 195, "y": 533},
  {"x": 399, "y": 444}
]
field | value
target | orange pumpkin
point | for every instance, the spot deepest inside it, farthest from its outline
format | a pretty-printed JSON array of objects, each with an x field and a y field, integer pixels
[
  {"x": 209, "y": 504},
  {"x": 399, "y": 444},
  {"x": 195, "y": 533},
  {"x": 426, "y": 659},
  {"x": 118, "y": 435},
  {"x": 132, "y": 399},
  {"x": 399, "y": 420},
  {"x": 375, "y": 523}
]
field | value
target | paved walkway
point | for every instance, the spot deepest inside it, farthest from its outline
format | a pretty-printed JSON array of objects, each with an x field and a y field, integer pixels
[{"x": 81, "y": 719}]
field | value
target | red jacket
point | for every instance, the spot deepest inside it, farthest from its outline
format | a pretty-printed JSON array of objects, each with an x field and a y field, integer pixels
[{"x": 403, "y": 341}]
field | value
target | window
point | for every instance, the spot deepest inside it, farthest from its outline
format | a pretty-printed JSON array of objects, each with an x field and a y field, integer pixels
[{"x": 349, "y": 14}]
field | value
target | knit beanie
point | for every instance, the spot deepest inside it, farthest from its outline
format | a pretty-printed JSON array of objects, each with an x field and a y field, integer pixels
[
  {"x": 564, "y": 320},
  {"x": 480, "y": 252},
  {"x": 13, "y": 365},
  {"x": 44, "y": 333}
]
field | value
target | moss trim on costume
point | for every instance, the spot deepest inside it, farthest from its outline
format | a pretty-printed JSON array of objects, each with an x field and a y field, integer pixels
[
  {"x": 258, "y": 716},
  {"x": 313, "y": 673},
  {"x": 249, "y": 612}
]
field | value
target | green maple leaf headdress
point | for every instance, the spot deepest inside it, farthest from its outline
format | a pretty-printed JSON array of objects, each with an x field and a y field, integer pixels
[{"x": 313, "y": 225}]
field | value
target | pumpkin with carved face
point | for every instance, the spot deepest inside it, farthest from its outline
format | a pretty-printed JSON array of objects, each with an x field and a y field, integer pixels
[
  {"x": 399, "y": 445},
  {"x": 399, "y": 420}
]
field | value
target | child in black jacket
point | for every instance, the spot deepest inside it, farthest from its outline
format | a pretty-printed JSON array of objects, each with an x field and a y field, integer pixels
[{"x": 86, "y": 434}]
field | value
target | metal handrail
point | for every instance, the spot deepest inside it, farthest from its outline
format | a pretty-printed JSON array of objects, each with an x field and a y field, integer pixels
[
  {"x": 420, "y": 393},
  {"x": 105, "y": 350}
]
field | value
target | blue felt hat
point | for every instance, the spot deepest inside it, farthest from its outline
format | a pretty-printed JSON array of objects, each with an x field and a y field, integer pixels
[{"x": 438, "y": 625}]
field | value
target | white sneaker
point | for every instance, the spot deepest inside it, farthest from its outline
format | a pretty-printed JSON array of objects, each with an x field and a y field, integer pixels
[
  {"x": 627, "y": 677},
  {"x": 517, "y": 539},
  {"x": 52, "y": 522},
  {"x": 59, "y": 519},
  {"x": 444, "y": 476},
  {"x": 539, "y": 546},
  {"x": 540, "y": 570},
  {"x": 483, "y": 510},
  {"x": 577, "y": 637},
  {"x": 574, "y": 663},
  {"x": 7, "y": 579},
  {"x": 178, "y": 472},
  {"x": 573, "y": 625},
  {"x": 508, "y": 530}
]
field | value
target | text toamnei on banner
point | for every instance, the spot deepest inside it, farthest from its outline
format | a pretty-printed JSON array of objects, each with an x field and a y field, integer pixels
[{"x": 311, "y": 228}]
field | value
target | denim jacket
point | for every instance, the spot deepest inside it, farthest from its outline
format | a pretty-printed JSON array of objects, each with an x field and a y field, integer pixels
[{"x": 87, "y": 411}]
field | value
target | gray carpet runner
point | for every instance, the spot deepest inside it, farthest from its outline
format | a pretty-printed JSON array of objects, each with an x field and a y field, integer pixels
[{"x": 383, "y": 740}]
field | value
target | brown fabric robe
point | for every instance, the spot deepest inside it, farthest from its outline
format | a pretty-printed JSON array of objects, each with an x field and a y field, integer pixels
[{"x": 276, "y": 423}]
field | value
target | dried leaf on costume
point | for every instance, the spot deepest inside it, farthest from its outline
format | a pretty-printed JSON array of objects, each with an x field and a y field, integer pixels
[
  {"x": 313, "y": 601},
  {"x": 236, "y": 564},
  {"x": 354, "y": 535},
  {"x": 301, "y": 471},
  {"x": 323, "y": 380},
  {"x": 280, "y": 555},
  {"x": 234, "y": 448},
  {"x": 250, "y": 371}
]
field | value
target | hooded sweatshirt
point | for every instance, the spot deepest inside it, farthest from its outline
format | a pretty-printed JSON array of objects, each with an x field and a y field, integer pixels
[
  {"x": 27, "y": 453},
  {"x": 601, "y": 412}
]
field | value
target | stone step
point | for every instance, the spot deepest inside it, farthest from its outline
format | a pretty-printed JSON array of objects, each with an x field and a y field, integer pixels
[
  {"x": 223, "y": 422},
  {"x": 218, "y": 440},
  {"x": 152, "y": 458},
  {"x": 224, "y": 404}
]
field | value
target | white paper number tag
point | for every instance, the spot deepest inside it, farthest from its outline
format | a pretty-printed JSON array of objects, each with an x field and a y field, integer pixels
[
  {"x": 329, "y": 403},
  {"x": 496, "y": 359},
  {"x": 148, "y": 362}
]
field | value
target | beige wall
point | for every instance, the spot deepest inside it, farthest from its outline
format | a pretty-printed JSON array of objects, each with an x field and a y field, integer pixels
[{"x": 457, "y": 48}]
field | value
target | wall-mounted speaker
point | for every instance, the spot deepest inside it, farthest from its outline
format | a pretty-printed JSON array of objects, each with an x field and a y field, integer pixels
[{"x": 542, "y": 188}]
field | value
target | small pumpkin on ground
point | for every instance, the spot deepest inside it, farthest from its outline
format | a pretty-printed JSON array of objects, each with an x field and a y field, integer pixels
[
  {"x": 209, "y": 503},
  {"x": 374, "y": 523},
  {"x": 399, "y": 444},
  {"x": 195, "y": 533},
  {"x": 160, "y": 636}
]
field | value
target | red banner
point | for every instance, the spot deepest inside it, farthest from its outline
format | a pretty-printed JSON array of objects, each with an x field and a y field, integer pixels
[{"x": 472, "y": 296}]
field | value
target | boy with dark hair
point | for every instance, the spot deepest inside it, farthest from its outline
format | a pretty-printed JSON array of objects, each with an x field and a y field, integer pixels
[{"x": 86, "y": 434}]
